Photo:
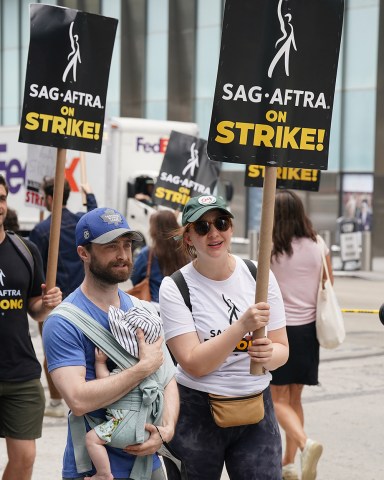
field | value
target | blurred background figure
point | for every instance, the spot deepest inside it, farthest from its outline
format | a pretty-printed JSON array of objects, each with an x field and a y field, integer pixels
[
  {"x": 11, "y": 221},
  {"x": 144, "y": 187},
  {"x": 70, "y": 270},
  {"x": 297, "y": 264},
  {"x": 364, "y": 216},
  {"x": 167, "y": 254}
]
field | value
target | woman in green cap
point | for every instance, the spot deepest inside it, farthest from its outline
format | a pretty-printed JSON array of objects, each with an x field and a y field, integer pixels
[{"x": 208, "y": 329}]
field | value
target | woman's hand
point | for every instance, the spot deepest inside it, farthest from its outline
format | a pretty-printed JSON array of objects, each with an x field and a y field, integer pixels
[
  {"x": 261, "y": 350},
  {"x": 255, "y": 317}
]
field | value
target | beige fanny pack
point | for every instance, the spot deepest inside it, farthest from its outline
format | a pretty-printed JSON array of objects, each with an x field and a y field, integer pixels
[{"x": 236, "y": 411}]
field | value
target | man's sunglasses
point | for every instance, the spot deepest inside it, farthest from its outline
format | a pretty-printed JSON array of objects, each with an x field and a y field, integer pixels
[{"x": 202, "y": 227}]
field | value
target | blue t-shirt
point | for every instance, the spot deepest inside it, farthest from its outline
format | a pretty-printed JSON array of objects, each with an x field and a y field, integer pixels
[
  {"x": 65, "y": 345},
  {"x": 140, "y": 271}
]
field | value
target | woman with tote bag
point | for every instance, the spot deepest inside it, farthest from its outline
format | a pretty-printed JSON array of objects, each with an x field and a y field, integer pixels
[{"x": 297, "y": 264}]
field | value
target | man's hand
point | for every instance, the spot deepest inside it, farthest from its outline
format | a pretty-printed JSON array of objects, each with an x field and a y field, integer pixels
[
  {"x": 52, "y": 297},
  {"x": 151, "y": 355},
  {"x": 150, "y": 446}
]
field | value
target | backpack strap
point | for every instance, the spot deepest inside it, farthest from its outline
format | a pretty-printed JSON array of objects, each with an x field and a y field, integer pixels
[
  {"x": 22, "y": 248},
  {"x": 181, "y": 284},
  {"x": 24, "y": 251},
  {"x": 251, "y": 267}
]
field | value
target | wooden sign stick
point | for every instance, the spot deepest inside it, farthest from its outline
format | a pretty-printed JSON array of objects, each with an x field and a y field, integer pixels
[
  {"x": 265, "y": 248},
  {"x": 83, "y": 176},
  {"x": 57, "y": 207}
]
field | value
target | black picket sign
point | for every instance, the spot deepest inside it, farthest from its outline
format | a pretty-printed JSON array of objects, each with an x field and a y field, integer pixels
[
  {"x": 67, "y": 78},
  {"x": 276, "y": 81},
  {"x": 185, "y": 172}
]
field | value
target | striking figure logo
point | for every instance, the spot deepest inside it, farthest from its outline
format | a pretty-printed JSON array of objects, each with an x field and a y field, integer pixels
[
  {"x": 193, "y": 162},
  {"x": 288, "y": 39},
  {"x": 74, "y": 56},
  {"x": 232, "y": 309},
  {"x": 2, "y": 276}
]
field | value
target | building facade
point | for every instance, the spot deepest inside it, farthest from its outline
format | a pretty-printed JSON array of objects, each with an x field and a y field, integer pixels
[{"x": 164, "y": 66}]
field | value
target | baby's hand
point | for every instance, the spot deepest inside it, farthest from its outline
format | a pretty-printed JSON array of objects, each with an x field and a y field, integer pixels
[{"x": 100, "y": 356}]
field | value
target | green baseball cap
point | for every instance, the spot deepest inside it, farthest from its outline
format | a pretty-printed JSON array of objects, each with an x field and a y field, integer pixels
[{"x": 197, "y": 206}]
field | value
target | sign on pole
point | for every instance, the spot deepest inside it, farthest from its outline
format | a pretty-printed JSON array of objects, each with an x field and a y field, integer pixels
[
  {"x": 65, "y": 92},
  {"x": 40, "y": 163},
  {"x": 67, "y": 78},
  {"x": 275, "y": 83},
  {"x": 186, "y": 171},
  {"x": 274, "y": 96},
  {"x": 287, "y": 178}
]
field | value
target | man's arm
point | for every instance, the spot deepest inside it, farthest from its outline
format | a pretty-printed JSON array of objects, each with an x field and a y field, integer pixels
[
  {"x": 91, "y": 202},
  {"x": 83, "y": 397}
]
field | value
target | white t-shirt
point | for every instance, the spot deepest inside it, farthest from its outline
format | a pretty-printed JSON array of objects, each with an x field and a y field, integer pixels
[{"x": 215, "y": 305}]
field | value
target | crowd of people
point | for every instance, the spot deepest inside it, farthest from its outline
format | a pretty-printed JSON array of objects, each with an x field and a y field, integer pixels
[{"x": 143, "y": 379}]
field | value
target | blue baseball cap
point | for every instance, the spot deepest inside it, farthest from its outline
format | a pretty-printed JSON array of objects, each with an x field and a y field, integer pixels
[{"x": 103, "y": 225}]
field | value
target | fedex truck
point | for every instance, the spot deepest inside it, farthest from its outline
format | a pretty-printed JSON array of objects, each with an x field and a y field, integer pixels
[{"x": 132, "y": 148}]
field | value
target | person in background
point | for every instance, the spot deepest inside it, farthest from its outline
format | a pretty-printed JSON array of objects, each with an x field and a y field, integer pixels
[
  {"x": 144, "y": 187},
  {"x": 22, "y": 400},
  {"x": 167, "y": 256},
  {"x": 70, "y": 271},
  {"x": 297, "y": 264},
  {"x": 205, "y": 343},
  {"x": 364, "y": 216},
  {"x": 11, "y": 221}
]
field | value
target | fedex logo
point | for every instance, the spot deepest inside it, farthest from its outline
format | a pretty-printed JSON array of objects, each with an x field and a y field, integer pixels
[
  {"x": 147, "y": 147},
  {"x": 12, "y": 170}
]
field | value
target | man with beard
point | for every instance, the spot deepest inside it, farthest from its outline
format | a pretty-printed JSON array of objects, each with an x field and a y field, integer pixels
[{"x": 104, "y": 244}]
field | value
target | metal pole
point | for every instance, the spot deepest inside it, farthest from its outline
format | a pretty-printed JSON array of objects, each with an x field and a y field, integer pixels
[
  {"x": 366, "y": 251},
  {"x": 253, "y": 236}
]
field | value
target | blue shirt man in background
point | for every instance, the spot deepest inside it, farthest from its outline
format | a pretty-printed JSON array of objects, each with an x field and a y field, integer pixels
[{"x": 70, "y": 271}]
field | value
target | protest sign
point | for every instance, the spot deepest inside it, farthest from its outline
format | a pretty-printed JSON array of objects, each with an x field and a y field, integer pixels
[
  {"x": 274, "y": 97},
  {"x": 40, "y": 163},
  {"x": 65, "y": 93},
  {"x": 288, "y": 178},
  {"x": 67, "y": 77},
  {"x": 185, "y": 172},
  {"x": 275, "y": 85}
]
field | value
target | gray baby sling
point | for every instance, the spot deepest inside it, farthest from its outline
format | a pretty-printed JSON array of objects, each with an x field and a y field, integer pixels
[{"x": 144, "y": 403}]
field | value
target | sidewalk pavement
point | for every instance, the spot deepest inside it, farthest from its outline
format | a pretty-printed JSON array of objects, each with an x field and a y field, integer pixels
[{"x": 345, "y": 412}]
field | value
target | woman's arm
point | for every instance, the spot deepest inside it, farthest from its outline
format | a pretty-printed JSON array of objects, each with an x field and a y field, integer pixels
[{"x": 199, "y": 359}]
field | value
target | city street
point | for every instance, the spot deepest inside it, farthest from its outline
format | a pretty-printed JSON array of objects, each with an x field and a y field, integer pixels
[{"x": 344, "y": 412}]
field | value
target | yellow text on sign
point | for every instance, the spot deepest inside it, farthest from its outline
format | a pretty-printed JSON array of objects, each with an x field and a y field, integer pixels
[
  {"x": 62, "y": 126},
  {"x": 285, "y": 173},
  {"x": 270, "y": 136}
]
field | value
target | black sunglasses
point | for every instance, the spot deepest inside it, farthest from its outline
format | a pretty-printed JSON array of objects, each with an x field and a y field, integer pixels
[{"x": 221, "y": 224}]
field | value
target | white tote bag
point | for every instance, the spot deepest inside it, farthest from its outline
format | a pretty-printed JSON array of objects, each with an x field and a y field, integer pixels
[{"x": 330, "y": 329}]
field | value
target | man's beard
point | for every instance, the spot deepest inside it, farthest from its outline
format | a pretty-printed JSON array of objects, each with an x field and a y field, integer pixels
[{"x": 106, "y": 273}]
